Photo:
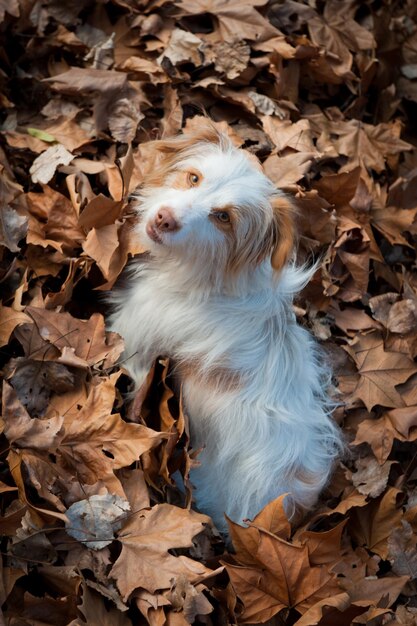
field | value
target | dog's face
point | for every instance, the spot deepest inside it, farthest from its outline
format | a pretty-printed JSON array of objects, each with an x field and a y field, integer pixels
[{"x": 206, "y": 199}]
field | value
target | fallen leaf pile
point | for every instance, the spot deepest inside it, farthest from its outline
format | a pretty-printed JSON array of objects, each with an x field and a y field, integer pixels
[{"x": 95, "y": 492}]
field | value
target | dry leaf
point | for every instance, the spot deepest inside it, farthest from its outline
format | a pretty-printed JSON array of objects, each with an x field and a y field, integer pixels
[
  {"x": 44, "y": 166},
  {"x": 146, "y": 538},
  {"x": 13, "y": 228},
  {"x": 282, "y": 579},
  {"x": 94, "y": 520},
  {"x": 380, "y": 371}
]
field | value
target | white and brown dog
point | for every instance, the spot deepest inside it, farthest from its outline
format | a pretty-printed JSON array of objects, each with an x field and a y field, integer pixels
[{"x": 216, "y": 295}]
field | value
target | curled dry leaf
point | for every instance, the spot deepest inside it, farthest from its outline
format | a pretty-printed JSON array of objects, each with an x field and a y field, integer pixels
[
  {"x": 9, "y": 320},
  {"x": 45, "y": 165},
  {"x": 24, "y": 431},
  {"x": 93, "y": 521},
  {"x": 370, "y": 477},
  {"x": 35, "y": 381}
]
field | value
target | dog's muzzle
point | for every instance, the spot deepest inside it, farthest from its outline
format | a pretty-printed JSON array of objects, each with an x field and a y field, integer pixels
[{"x": 163, "y": 222}]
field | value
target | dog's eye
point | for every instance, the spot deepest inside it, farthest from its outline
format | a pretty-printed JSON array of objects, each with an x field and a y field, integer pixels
[
  {"x": 193, "y": 179},
  {"x": 222, "y": 216}
]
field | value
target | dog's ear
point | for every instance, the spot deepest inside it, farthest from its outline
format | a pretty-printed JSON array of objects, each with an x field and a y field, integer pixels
[{"x": 283, "y": 231}]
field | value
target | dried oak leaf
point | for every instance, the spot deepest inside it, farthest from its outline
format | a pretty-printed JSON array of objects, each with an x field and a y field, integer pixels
[
  {"x": 146, "y": 538},
  {"x": 35, "y": 382},
  {"x": 281, "y": 578},
  {"x": 129, "y": 245},
  {"x": 351, "y": 320},
  {"x": 67, "y": 132},
  {"x": 380, "y": 306},
  {"x": 314, "y": 218},
  {"x": 87, "y": 340},
  {"x": 94, "y": 520},
  {"x": 22, "y": 431},
  {"x": 100, "y": 211},
  {"x": 379, "y": 371}
]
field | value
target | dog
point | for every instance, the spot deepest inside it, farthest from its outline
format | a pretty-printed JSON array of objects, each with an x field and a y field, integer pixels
[{"x": 215, "y": 295}]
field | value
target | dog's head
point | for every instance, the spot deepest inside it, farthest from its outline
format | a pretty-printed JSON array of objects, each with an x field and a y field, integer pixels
[{"x": 207, "y": 200}]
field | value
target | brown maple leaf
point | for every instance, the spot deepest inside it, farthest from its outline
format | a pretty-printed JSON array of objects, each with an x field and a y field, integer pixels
[
  {"x": 146, "y": 538},
  {"x": 97, "y": 441},
  {"x": 379, "y": 434},
  {"x": 371, "y": 525},
  {"x": 380, "y": 371},
  {"x": 281, "y": 578}
]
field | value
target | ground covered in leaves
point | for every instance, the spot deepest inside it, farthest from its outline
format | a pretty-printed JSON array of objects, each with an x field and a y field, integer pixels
[{"x": 325, "y": 94}]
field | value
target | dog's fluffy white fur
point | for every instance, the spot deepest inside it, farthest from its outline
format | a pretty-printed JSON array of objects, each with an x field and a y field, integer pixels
[{"x": 216, "y": 295}]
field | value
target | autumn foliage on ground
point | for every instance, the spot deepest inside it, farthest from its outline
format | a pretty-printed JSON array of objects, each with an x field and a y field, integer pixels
[{"x": 95, "y": 529}]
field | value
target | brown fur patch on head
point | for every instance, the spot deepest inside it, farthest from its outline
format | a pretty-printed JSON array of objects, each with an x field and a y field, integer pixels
[
  {"x": 275, "y": 241},
  {"x": 283, "y": 231},
  {"x": 185, "y": 179},
  {"x": 163, "y": 154}
]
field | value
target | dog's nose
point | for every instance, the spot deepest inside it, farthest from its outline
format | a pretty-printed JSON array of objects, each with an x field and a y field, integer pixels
[{"x": 165, "y": 220}]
